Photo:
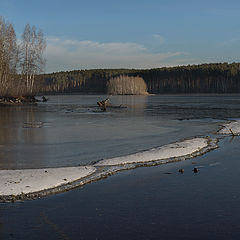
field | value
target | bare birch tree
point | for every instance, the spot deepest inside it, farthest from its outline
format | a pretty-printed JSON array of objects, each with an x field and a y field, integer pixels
[
  {"x": 8, "y": 58},
  {"x": 32, "y": 62},
  {"x": 24, "y": 57}
]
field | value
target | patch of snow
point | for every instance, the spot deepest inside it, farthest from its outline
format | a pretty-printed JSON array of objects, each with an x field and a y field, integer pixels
[
  {"x": 232, "y": 128},
  {"x": 15, "y": 182},
  {"x": 178, "y": 149}
]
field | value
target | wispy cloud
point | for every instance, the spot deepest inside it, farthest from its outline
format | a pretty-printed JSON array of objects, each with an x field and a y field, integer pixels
[
  {"x": 66, "y": 54},
  {"x": 159, "y": 38}
]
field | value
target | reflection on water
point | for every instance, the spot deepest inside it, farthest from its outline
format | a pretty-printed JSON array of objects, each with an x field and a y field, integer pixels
[
  {"x": 16, "y": 141},
  {"x": 71, "y": 130}
]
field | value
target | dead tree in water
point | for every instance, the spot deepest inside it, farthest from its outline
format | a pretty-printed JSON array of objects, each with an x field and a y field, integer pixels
[{"x": 102, "y": 104}]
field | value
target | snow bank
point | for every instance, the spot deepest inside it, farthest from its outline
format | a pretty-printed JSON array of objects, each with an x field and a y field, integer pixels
[
  {"x": 178, "y": 149},
  {"x": 16, "y": 182},
  {"x": 232, "y": 128}
]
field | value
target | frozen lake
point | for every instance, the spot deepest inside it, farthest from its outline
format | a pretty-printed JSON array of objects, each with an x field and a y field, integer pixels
[
  {"x": 144, "y": 203},
  {"x": 70, "y": 130}
]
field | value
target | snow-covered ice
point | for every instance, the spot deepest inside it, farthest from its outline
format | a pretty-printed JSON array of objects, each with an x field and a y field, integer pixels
[
  {"x": 15, "y": 182},
  {"x": 36, "y": 181},
  {"x": 232, "y": 128},
  {"x": 178, "y": 149}
]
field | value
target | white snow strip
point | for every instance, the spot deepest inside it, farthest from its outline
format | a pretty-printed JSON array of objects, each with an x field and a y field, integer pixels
[
  {"x": 177, "y": 149},
  {"x": 232, "y": 128},
  {"x": 15, "y": 182}
]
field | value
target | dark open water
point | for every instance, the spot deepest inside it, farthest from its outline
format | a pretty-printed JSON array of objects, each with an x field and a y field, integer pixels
[{"x": 145, "y": 203}]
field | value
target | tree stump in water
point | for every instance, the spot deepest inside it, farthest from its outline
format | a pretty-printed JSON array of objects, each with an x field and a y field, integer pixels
[
  {"x": 102, "y": 104},
  {"x": 44, "y": 99}
]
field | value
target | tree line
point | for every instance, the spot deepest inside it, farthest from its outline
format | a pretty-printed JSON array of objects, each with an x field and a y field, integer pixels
[
  {"x": 20, "y": 60},
  {"x": 204, "y": 78}
]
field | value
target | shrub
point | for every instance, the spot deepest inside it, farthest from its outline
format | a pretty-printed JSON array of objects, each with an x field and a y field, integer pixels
[{"x": 125, "y": 85}]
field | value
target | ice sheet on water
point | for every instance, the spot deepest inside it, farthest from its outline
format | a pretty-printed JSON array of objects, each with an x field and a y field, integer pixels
[
  {"x": 178, "y": 149},
  {"x": 231, "y": 128},
  {"x": 36, "y": 181},
  {"x": 24, "y": 181}
]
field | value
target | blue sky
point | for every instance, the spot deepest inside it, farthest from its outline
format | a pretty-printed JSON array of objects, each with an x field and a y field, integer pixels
[{"x": 85, "y": 34}]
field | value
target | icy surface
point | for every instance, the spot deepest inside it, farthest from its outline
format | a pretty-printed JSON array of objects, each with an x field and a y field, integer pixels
[
  {"x": 15, "y": 182},
  {"x": 73, "y": 131},
  {"x": 177, "y": 149},
  {"x": 232, "y": 128}
]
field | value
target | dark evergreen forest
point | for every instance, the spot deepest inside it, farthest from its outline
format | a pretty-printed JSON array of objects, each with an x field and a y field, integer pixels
[{"x": 204, "y": 78}]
